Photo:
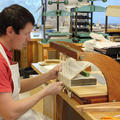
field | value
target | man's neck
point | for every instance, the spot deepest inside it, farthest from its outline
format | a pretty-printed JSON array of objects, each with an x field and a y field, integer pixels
[{"x": 5, "y": 42}]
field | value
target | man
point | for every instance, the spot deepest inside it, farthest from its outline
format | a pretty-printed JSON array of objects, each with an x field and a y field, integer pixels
[{"x": 15, "y": 26}]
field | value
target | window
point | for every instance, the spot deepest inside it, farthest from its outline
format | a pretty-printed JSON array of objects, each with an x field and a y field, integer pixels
[
  {"x": 101, "y": 16},
  {"x": 32, "y": 5}
]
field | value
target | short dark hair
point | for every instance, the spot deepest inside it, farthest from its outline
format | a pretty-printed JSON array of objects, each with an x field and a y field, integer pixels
[{"x": 15, "y": 16}]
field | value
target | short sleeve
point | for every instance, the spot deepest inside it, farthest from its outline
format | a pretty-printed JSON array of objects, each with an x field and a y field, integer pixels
[{"x": 5, "y": 76}]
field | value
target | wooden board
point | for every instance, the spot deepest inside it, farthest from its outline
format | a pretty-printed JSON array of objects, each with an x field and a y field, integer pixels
[
  {"x": 102, "y": 109},
  {"x": 90, "y": 91},
  {"x": 99, "y": 115},
  {"x": 113, "y": 30}
]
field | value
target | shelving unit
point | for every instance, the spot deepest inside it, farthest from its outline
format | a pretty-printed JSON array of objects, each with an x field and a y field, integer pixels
[
  {"x": 79, "y": 21},
  {"x": 82, "y": 20}
]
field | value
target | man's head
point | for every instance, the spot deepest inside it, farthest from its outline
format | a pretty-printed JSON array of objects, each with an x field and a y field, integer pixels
[{"x": 16, "y": 23}]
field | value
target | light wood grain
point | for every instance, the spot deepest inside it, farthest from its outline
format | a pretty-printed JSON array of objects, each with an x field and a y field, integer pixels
[
  {"x": 99, "y": 104},
  {"x": 101, "y": 109},
  {"x": 87, "y": 91},
  {"x": 99, "y": 115}
]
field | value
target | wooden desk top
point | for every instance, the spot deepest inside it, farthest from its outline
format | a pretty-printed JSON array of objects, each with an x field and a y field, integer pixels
[
  {"x": 48, "y": 45},
  {"x": 87, "y": 115}
]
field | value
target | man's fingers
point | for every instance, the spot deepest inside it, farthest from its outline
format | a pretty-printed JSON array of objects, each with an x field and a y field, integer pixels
[
  {"x": 60, "y": 83},
  {"x": 60, "y": 67}
]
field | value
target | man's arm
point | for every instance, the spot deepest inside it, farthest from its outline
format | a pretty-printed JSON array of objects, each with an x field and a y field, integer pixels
[
  {"x": 31, "y": 83},
  {"x": 11, "y": 109}
]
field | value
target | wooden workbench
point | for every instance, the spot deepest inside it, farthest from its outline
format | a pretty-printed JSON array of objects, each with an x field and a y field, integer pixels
[{"x": 66, "y": 107}]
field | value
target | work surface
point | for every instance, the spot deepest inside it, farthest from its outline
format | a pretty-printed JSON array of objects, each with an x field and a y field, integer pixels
[{"x": 81, "y": 92}]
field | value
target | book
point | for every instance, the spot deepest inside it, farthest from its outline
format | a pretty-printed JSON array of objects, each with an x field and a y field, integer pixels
[{"x": 70, "y": 74}]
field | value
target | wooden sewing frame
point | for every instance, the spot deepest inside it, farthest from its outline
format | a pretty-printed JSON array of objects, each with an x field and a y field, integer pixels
[{"x": 109, "y": 67}]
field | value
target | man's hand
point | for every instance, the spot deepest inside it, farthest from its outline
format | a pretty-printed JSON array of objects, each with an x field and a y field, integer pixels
[
  {"x": 54, "y": 72},
  {"x": 53, "y": 88}
]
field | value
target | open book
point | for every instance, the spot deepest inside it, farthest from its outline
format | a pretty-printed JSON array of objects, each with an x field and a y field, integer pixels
[{"x": 71, "y": 76}]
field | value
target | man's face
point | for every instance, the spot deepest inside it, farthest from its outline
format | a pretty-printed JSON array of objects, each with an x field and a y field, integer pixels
[{"x": 20, "y": 40}]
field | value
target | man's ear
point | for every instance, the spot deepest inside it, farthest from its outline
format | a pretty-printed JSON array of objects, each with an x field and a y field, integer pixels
[{"x": 10, "y": 31}]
